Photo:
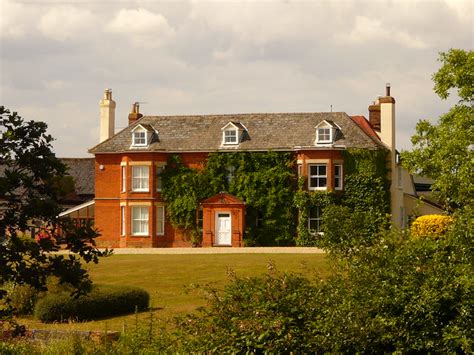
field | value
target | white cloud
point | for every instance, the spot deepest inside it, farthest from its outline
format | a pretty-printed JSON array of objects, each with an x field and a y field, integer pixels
[
  {"x": 367, "y": 30},
  {"x": 464, "y": 9},
  {"x": 67, "y": 22},
  {"x": 15, "y": 19},
  {"x": 142, "y": 27}
]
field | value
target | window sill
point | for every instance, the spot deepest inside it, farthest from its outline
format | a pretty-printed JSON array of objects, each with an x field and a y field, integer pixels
[{"x": 140, "y": 236}]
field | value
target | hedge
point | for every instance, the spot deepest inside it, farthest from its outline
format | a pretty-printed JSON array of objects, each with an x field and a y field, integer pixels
[{"x": 102, "y": 301}]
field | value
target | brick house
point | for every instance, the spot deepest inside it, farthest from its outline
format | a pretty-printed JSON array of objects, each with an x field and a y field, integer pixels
[{"x": 130, "y": 212}]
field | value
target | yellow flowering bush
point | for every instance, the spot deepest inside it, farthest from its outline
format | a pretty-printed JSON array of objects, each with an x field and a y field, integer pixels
[{"x": 433, "y": 225}]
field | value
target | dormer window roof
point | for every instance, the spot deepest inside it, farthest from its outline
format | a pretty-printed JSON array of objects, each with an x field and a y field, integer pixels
[
  {"x": 142, "y": 134},
  {"x": 232, "y": 133},
  {"x": 326, "y": 132}
]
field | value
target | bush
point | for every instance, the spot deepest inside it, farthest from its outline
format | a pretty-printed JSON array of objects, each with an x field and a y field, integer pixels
[
  {"x": 102, "y": 301},
  {"x": 431, "y": 226},
  {"x": 22, "y": 297},
  {"x": 272, "y": 313}
]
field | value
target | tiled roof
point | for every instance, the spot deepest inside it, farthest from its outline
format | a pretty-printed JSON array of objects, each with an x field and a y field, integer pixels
[
  {"x": 366, "y": 127},
  {"x": 267, "y": 131}
]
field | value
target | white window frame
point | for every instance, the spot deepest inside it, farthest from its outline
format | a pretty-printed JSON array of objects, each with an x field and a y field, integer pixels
[
  {"x": 321, "y": 136},
  {"x": 317, "y": 176},
  {"x": 159, "y": 181},
  {"x": 235, "y": 136},
  {"x": 124, "y": 178},
  {"x": 122, "y": 221},
  {"x": 140, "y": 221},
  {"x": 140, "y": 138},
  {"x": 160, "y": 220},
  {"x": 338, "y": 177},
  {"x": 317, "y": 219},
  {"x": 140, "y": 181}
]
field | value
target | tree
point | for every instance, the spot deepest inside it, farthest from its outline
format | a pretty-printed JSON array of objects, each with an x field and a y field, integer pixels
[
  {"x": 444, "y": 151},
  {"x": 30, "y": 188}
]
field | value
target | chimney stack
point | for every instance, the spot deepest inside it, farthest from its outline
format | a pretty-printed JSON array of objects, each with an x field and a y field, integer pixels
[
  {"x": 135, "y": 114},
  {"x": 374, "y": 115},
  {"x": 107, "y": 116}
]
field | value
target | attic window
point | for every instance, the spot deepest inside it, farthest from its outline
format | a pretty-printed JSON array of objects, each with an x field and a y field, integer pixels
[
  {"x": 230, "y": 136},
  {"x": 143, "y": 134},
  {"x": 232, "y": 133},
  {"x": 324, "y": 135},
  {"x": 139, "y": 138}
]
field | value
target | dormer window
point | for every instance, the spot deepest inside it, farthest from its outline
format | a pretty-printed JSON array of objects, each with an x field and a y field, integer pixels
[
  {"x": 232, "y": 133},
  {"x": 326, "y": 132},
  {"x": 230, "y": 136},
  {"x": 142, "y": 135},
  {"x": 139, "y": 138},
  {"x": 324, "y": 135}
]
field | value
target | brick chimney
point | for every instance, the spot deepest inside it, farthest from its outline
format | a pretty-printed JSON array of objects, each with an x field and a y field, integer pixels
[
  {"x": 107, "y": 116},
  {"x": 135, "y": 114},
  {"x": 374, "y": 115}
]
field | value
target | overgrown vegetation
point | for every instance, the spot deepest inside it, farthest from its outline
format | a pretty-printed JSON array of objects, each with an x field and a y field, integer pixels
[{"x": 398, "y": 295}]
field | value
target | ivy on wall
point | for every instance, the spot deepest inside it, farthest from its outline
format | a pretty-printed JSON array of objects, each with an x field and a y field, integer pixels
[
  {"x": 277, "y": 202},
  {"x": 265, "y": 181}
]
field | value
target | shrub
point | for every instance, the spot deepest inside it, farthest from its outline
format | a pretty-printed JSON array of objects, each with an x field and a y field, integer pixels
[
  {"x": 22, "y": 297},
  {"x": 102, "y": 301},
  {"x": 272, "y": 313},
  {"x": 431, "y": 226}
]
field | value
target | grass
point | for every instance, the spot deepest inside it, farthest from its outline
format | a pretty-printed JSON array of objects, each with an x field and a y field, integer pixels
[{"x": 166, "y": 278}]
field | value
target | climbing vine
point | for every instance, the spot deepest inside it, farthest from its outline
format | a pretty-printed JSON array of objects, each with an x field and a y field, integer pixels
[
  {"x": 366, "y": 193},
  {"x": 265, "y": 181}
]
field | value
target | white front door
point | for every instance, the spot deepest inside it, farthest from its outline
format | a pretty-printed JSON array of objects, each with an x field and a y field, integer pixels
[{"x": 223, "y": 229}]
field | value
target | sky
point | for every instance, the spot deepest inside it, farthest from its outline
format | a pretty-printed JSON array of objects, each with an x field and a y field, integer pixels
[{"x": 210, "y": 57}]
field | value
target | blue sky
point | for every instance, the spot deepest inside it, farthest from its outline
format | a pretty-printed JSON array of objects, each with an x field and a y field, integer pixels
[{"x": 195, "y": 57}]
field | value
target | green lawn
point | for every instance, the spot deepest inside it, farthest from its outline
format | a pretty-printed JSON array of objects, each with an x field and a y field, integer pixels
[{"x": 165, "y": 277}]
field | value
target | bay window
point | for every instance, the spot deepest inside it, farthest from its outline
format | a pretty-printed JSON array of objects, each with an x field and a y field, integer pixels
[
  {"x": 140, "y": 220},
  {"x": 140, "y": 178},
  {"x": 317, "y": 177}
]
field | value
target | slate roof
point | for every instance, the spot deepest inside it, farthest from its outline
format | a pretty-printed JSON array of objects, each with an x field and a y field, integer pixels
[
  {"x": 265, "y": 131},
  {"x": 83, "y": 172}
]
